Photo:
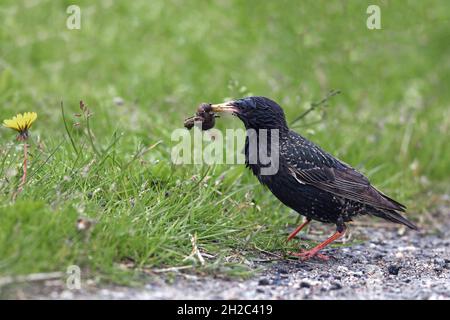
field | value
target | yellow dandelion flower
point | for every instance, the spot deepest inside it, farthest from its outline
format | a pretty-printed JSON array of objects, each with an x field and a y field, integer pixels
[{"x": 21, "y": 123}]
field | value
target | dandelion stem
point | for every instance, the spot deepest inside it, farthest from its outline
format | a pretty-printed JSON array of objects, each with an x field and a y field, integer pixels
[
  {"x": 24, "y": 176},
  {"x": 25, "y": 158}
]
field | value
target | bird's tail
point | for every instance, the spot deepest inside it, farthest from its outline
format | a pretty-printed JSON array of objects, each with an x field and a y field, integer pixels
[{"x": 395, "y": 217}]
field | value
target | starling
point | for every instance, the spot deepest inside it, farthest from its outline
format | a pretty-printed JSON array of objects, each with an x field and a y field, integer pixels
[{"x": 309, "y": 180}]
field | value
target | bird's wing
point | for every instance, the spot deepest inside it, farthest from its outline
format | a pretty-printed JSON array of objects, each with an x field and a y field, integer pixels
[
  {"x": 346, "y": 183},
  {"x": 324, "y": 172}
]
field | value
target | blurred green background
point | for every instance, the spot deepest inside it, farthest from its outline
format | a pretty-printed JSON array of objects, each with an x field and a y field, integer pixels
[{"x": 144, "y": 66}]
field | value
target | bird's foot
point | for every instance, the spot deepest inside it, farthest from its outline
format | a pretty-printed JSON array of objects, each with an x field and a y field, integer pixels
[{"x": 308, "y": 254}]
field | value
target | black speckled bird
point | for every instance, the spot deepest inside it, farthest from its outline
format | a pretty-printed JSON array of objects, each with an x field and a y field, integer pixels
[{"x": 310, "y": 180}]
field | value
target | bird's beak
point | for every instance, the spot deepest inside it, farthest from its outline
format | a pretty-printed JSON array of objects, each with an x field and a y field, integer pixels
[{"x": 225, "y": 107}]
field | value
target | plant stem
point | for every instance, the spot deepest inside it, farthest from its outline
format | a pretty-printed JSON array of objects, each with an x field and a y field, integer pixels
[
  {"x": 315, "y": 105},
  {"x": 90, "y": 136},
  {"x": 67, "y": 129},
  {"x": 24, "y": 176}
]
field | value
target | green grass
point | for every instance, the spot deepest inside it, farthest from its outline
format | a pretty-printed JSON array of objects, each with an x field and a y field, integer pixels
[{"x": 163, "y": 58}]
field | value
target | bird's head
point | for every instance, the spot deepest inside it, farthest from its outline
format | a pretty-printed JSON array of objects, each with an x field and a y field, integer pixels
[{"x": 255, "y": 112}]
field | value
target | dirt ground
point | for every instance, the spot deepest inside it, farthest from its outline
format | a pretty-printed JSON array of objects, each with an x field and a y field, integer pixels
[{"x": 392, "y": 264}]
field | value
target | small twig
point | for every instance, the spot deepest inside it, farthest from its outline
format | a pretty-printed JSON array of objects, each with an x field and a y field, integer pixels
[
  {"x": 30, "y": 277},
  {"x": 315, "y": 105},
  {"x": 195, "y": 251},
  {"x": 171, "y": 269},
  {"x": 269, "y": 253}
]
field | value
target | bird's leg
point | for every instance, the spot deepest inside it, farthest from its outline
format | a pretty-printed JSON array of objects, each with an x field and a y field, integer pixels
[
  {"x": 300, "y": 227},
  {"x": 305, "y": 255}
]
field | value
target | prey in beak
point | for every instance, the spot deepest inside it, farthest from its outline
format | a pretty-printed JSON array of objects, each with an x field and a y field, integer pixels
[{"x": 206, "y": 114}]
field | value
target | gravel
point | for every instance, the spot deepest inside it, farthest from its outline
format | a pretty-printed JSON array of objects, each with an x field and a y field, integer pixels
[{"x": 390, "y": 265}]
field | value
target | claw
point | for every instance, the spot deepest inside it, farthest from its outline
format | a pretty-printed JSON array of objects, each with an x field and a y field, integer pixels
[{"x": 308, "y": 254}]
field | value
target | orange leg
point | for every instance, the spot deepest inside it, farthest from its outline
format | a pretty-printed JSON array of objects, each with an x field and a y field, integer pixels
[
  {"x": 305, "y": 255},
  {"x": 300, "y": 227}
]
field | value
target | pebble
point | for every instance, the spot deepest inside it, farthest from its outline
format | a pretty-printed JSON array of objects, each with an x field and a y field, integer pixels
[
  {"x": 393, "y": 269},
  {"x": 439, "y": 262},
  {"x": 335, "y": 286},
  {"x": 304, "y": 284}
]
